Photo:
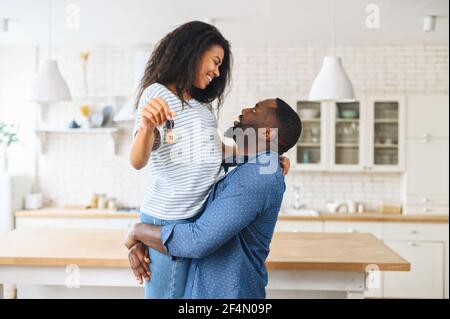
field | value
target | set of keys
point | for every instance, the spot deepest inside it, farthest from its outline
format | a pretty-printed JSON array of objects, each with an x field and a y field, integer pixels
[{"x": 169, "y": 132}]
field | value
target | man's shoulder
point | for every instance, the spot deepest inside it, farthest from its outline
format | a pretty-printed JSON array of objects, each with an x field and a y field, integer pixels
[{"x": 256, "y": 176}]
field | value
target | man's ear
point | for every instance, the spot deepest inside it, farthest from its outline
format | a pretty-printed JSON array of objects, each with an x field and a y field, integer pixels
[{"x": 270, "y": 134}]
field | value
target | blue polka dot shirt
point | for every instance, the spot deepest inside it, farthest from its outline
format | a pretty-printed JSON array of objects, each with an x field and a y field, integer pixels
[{"x": 229, "y": 242}]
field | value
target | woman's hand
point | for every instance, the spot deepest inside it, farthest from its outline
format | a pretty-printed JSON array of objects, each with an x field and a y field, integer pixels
[
  {"x": 139, "y": 262},
  {"x": 285, "y": 164},
  {"x": 155, "y": 113}
]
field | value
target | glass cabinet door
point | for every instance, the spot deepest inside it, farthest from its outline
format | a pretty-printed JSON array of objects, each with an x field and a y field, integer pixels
[
  {"x": 347, "y": 135},
  {"x": 386, "y": 133},
  {"x": 387, "y": 127},
  {"x": 310, "y": 146}
]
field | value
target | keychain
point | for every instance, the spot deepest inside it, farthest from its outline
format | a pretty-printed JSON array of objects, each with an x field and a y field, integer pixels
[{"x": 170, "y": 134}]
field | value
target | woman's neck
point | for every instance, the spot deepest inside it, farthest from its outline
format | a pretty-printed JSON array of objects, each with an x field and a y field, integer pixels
[{"x": 172, "y": 88}]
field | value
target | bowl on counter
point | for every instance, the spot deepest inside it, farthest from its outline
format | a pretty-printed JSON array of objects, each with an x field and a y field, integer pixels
[{"x": 309, "y": 113}]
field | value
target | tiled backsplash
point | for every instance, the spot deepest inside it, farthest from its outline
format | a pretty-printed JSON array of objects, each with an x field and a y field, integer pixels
[{"x": 75, "y": 166}]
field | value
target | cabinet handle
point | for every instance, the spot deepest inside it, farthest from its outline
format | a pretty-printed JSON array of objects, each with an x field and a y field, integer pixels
[
  {"x": 427, "y": 210},
  {"x": 425, "y": 200},
  {"x": 412, "y": 244},
  {"x": 352, "y": 230},
  {"x": 414, "y": 232}
]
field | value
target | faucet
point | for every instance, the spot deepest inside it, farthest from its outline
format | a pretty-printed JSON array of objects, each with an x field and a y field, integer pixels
[{"x": 296, "y": 190}]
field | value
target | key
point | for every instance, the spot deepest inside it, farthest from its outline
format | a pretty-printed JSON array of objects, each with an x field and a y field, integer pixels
[{"x": 170, "y": 133}]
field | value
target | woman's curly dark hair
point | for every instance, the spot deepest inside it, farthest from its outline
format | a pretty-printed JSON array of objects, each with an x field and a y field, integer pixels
[{"x": 176, "y": 58}]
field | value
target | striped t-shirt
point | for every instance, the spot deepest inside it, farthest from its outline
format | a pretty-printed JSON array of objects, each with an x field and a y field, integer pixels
[{"x": 182, "y": 173}]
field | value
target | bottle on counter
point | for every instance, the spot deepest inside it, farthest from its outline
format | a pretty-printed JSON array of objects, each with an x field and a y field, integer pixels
[
  {"x": 102, "y": 201},
  {"x": 94, "y": 201},
  {"x": 112, "y": 203}
]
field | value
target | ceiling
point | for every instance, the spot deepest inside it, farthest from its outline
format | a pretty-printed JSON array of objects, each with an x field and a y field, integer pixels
[{"x": 243, "y": 22}]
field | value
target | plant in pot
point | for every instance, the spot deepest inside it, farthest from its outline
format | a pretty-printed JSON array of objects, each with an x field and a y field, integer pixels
[{"x": 8, "y": 136}]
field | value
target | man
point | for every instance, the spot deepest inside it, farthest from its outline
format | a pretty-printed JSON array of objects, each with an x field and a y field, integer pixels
[{"x": 229, "y": 242}]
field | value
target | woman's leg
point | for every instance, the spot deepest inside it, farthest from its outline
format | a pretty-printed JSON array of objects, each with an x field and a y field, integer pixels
[{"x": 168, "y": 275}]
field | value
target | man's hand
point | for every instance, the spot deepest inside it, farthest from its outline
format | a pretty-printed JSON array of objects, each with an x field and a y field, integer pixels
[
  {"x": 130, "y": 239},
  {"x": 139, "y": 262},
  {"x": 285, "y": 164}
]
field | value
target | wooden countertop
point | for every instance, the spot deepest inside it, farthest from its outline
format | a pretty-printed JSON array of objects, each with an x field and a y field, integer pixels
[
  {"x": 363, "y": 217},
  {"x": 369, "y": 217},
  {"x": 104, "y": 248}
]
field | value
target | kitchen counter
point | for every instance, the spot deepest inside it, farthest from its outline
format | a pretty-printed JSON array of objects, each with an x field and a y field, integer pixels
[
  {"x": 87, "y": 247},
  {"x": 363, "y": 217},
  {"x": 320, "y": 262}
]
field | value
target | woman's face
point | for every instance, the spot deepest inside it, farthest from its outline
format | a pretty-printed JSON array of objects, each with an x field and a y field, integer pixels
[{"x": 208, "y": 68}]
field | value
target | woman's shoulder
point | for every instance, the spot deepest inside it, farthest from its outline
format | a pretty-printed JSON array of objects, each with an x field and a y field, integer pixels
[{"x": 155, "y": 88}]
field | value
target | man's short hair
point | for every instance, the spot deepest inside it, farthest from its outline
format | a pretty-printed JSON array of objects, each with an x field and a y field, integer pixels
[{"x": 289, "y": 126}]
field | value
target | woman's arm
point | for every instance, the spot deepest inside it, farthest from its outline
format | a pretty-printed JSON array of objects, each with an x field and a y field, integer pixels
[{"x": 146, "y": 140}]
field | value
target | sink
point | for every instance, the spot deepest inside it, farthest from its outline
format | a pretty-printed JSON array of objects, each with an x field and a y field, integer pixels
[{"x": 300, "y": 212}]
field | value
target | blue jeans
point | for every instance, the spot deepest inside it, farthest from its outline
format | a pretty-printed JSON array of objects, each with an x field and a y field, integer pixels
[{"x": 168, "y": 274}]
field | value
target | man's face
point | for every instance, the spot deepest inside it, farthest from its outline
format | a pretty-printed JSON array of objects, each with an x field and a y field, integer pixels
[
  {"x": 253, "y": 122},
  {"x": 260, "y": 116}
]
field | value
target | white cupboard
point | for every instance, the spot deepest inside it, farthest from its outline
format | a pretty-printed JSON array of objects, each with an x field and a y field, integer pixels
[
  {"x": 365, "y": 135},
  {"x": 424, "y": 245},
  {"x": 426, "y": 182},
  {"x": 425, "y": 280}
]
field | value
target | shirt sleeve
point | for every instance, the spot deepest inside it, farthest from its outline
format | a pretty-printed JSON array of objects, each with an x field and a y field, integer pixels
[
  {"x": 153, "y": 91},
  {"x": 232, "y": 210}
]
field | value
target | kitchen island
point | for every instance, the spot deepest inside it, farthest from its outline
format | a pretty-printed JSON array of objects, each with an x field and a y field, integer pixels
[{"x": 92, "y": 263}]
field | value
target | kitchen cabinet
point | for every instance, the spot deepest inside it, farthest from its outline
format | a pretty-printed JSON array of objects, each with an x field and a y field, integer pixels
[
  {"x": 424, "y": 245},
  {"x": 311, "y": 151},
  {"x": 386, "y": 127},
  {"x": 375, "y": 229},
  {"x": 426, "y": 182},
  {"x": 428, "y": 116},
  {"x": 426, "y": 278},
  {"x": 347, "y": 136},
  {"x": 365, "y": 135},
  {"x": 427, "y": 167}
]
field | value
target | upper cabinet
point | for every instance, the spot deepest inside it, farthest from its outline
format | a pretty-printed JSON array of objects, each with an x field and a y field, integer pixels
[
  {"x": 428, "y": 116},
  {"x": 386, "y": 119},
  {"x": 311, "y": 147},
  {"x": 364, "y": 135},
  {"x": 347, "y": 140}
]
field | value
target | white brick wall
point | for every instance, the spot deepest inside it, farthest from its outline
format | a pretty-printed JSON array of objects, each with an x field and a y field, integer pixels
[{"x": 75, "y": 166}]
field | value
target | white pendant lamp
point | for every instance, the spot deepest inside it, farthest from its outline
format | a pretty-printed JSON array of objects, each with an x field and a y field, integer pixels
[
  {"x": 49, "y": 85},
  {"x": 332, "y": 83}
]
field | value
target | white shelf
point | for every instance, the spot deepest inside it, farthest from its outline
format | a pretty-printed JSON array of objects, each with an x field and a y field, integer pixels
[
  {"x": 308, "y": 144},
  {"x": 386, "y": 146},
  {"x": 311, "y": 120},
  {"x": 340, "y": 120},
  {"x": 347, "y": 145},
  {"x": 42, "y": 133},
  {"x": 386, "y": 121}
]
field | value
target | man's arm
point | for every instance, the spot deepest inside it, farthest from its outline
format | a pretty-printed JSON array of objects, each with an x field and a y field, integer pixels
[
  {"x": 146, "y": 234},
  {"x": 230, "y": 212},
  {"x": 238, "y": 205}
]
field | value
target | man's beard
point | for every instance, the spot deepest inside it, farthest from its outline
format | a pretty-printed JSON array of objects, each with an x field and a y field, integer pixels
[{"x": 237, "y": 131}]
